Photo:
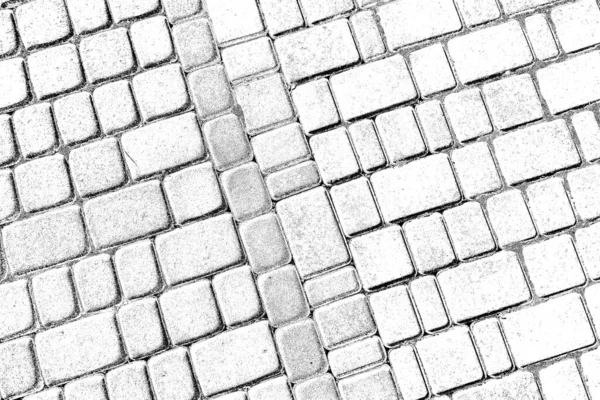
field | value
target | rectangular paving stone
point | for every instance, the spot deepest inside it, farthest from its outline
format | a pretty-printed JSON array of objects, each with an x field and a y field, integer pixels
[
  {"x": 483, "y": 286},
  {"x": 364, "y": 354},
  {"x": 16, "y": 311},
  {"x": 72, "y": 350},
  {"x": 129, "y": 382},
  {"x": 562, "y": 381},
  {"x": 366, "y": 145},
  {"x": 577, "y": 25},
  {"x": 409, "y": 377},
  {"x": 590, "y": 364},
  {"x": 406, "y": 22},
  {"x": 293, "y": 180},
  {"x": 322, "y": 385},
  {"x": 373, "y": 87},
  {"x": 588, "y": 133},
  {"x": 368, "y": 38},
  {"x": 45, "y": 239},
  {"x": 311, "y": 228},
  {"x": 469, "y": 230},
  {"x": 42, "y": 22},
  {"x": 550, "y": 329},
  {"x": 234, "y": 19},
  {"x": 415, "y": 187},
  {"x": 281, "y": 15},
  {"x": 478, "y": 12},
  {"x": 515, "y": 6},
  {"x": 429, "y": 304},
  {"x": 281, "y": 283},
  {"x": 549, "y": 205},
  {"x": 234, "y": 358},
  {"x": 265, "y": 244},
  {"x": 199, "y": 249},
  {"x": 8, "y": 144},
  {"x": 541, "y": 37},
  {"x": 492, "y": 349},
  {"x": 374, "y": 382},
  {"x": 395, "y": 315},
  {"x": 13, "y": 83},
  {"x": 127, "y": 214},
  {"x": 518, "y": 385},
  {"x": 400, "y": 134},
  {"x": 331, "y": 286},
  {"x": 534, "y": 151},
  {"x": 236, "y": 295},
  {"x": 88, "y": 388},
  {"x": 172, "y": 377},
  {"x": 163, "y": 145},
  {"x": 316, "y": 50},
  {"x": 489, "y": 51},
  {"x": 570, "y": 83}
]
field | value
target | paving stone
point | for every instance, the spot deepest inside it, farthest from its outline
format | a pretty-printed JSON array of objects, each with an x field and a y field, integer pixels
[
  {"x": 265, "y": 244},
  {"x": 531, "y": 152},
  {"x": 373, "y": 87},
  {"x": 142, "y": 328},
  {"x": 234, "y": 19},
  {"x": 588, "y": 133},
  {"x": 77, "y": 348},
  {"x": 475, "y": 170},
  {"x": 8, "y": 146},
  {"x": 75, "y": 118},
  {"x": 549, "y": 205},
  {"x": 429, "y": 244},
  {"x": 467, "y": 114},
  {"x": 129, "y": 382},
  {"x": 489, "y": 51},
  {"x": 42, "y": 22},
  {"x": 234, "y": 358},
  {"x": 301, "y": 351},
  {"x": 160, "y": 92},
  {"x": 316, "y": 50},
  {"x": 449, "y": 359},
  {"x": 237, "y": 296},
  {"x": 280, "y": 148},
  {"x": 107, "y": 55},
  {"x": 323, "y": 386},
  {"x": 162, "y": 145},
  {"x": 395, "y": 315},
  {"x": 89, "y": 388},
  {"x": 13, "y": 83},
  {"x": 311, "y": 229},
  {"x": 179, "y": 9},
  {"x": 87, "y": 17},
  {"x": 97, "y": 167},
  {"x": 239, "y": 395},
  {"x": 518, "y": 385},
  {"x": 315, "y": 105},
  {"x": 249, "y": 59},
  {"x": 54, "y": 296},
  {"x": 357, "y": 356},
  {"x": 227, "y": 142},
  {"x": 172, "y": 377},
  {"x": 265, "y": 103},
  {"x": 355, "y": 206},
  {"x": 279, "y": 283},
  {"x": 513, "y": 101},
  {"x": 49, "y": 394},
  {"x": 137, "y": 270},
  {"x": 194, "y": 43},
  {"x": 470, "y": 293},
  {"x": 434, "y": 125},
  {"x": 570, "y": 83},
  {"x": 584, "y": 191},
  {"x": 245, "y": 191},
  {"x": 96, "y": 283},
  {"x": 553, "y": 265},
  {"x": 127, "y": 214},
  {"x": 588, "y": 249},
  {"x": 381, "y": 257},
  {"x": 415, "y": 187},
  {"x": 592, "y": 299},
  {"x": 9, "y": 203},
  {"x": 210, "y": 91},
  {"x": 334, "y": 156},
  {"x": 293, "y": 180},
  {"x": 275, "y": 388},
  {"x": 400, "y": 134},
  {"x": 151, "y": 41},
  {"x": 199, "y": 249},
  {"x": 477, "y": 13},
  {"x": 407, "y": 371},
  {"x": 366, "y": 32},
  {"x": 576, "y": 25},
  {"x": 335, "y": 329},
  {"x": 9, "y": 41},
  {"x": 193, "y": 193},
  {"x": 562, "y": 380},
  {"x": 515, "y": 6},
  {"x": 590, "y": 362},
  {"x": 509, "y": 218},
  {"x": 332, "y": 286},
  {"x": 281, "y": 15},
  {"x": 19, "y": 372},
  {"x": 540, "y": 37},
  {"x": 369, "y": 385},
  {"x": 428, "y": 303},
  {"x": 44, "y": 240},
  {"x": 34, "y": 130},
  {"x": 315, "y": 10},
  {"x": 492, "y": 349},
  {"x": 547, "y": 330},
  {"x": 115, "y": 107},
  {"x": 431, "y": 70},
  {"x": 122, "y": 10},
  {"x": 410, "y": 21},
  {"x": 365, "y": 140},
  {"x": 190, "y": 312}
]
